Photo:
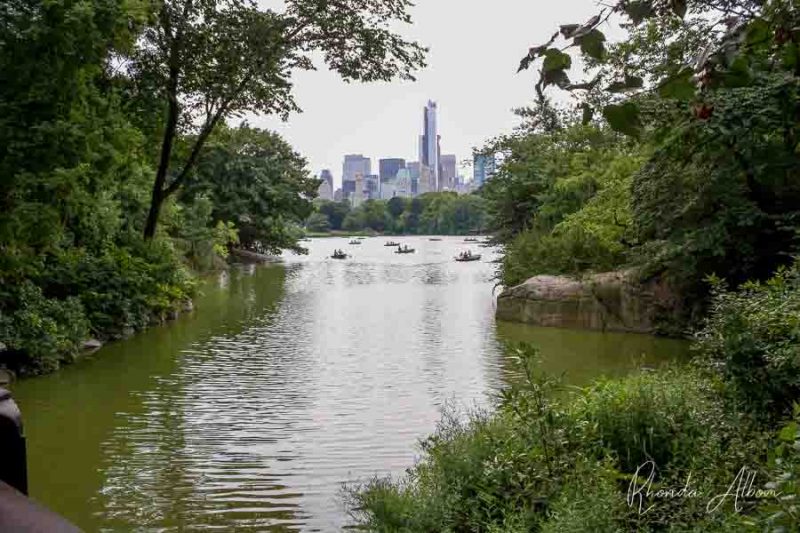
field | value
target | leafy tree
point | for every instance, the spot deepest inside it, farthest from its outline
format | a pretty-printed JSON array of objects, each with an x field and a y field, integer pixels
[
  {"x": 396, "y": 206},
  {"x": 318, "y": 222},
  {"x": 212, "y": 59},
  {"x": 255, "y": 180},
  {"x": 335, "y": 211}
]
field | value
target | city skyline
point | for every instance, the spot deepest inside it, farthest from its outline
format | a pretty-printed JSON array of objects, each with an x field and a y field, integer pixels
[
  {"x": 470, "y": 74},
  {"x": 433, "y": 171}
]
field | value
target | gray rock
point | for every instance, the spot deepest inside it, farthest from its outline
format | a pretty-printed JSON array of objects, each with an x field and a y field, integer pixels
[
  {"x": 128, "y": 331},
  {"x": 3, "y": 347},
  {"x": 610, "y": 301},
  {"x": 187, "y": 306},
  {"x": 92, "y": 344}
]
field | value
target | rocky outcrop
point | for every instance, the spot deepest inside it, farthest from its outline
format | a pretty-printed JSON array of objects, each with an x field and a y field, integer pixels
[{"x": 610, "y": 301}]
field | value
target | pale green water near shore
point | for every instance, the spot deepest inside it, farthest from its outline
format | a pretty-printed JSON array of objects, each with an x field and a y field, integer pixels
[{"x": 286, "y": 381}]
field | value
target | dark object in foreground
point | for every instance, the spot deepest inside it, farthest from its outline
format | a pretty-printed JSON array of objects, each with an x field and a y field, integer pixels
[
  {"x": 17, "y": 512},
  {"x": 338, "y": 254}
]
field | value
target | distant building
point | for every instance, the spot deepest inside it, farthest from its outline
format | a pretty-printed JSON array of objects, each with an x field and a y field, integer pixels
[
  {"x": 402, "y": 183},
  {"x": 353, "y": 165},
  {"x": 358, "y": 196},
  {"x": 338, "y": 196},
  {"x": 429, "y": 143},
  {"x": 414, "y": 172},
  {"x": 484, "y": 167},
  {"x": 388, "y": 168},
  {"x": 372, "y": 186},
  {"x": 325, "y": 192},
  {"x": 326, "y": 175},
  {"x": 447, "y": 179},
  {"x": 427, "y": 181}
]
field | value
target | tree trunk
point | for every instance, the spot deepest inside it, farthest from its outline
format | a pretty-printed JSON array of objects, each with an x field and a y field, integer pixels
[{"x": 158, "y": 195}]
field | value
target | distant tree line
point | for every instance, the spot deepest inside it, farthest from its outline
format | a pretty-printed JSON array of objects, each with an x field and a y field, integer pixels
[{"x": 444, "y": 213}]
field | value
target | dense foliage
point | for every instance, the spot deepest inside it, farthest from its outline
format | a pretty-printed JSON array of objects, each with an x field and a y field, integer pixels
[
  {"x": 444, "y": 213},
  {"x": 99, "y": 96},
  {"x": 567, "y": 462},
  {"x": 693, "y": 170}
]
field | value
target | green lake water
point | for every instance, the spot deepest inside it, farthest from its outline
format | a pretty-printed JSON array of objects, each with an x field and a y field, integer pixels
[{"x": 288, "y": 380}]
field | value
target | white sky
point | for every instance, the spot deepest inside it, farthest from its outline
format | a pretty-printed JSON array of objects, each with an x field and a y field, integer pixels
[{"x": 475, "y": 48}]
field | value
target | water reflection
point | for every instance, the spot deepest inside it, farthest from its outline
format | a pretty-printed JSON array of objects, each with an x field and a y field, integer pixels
[{"x": 287, "y": 381}]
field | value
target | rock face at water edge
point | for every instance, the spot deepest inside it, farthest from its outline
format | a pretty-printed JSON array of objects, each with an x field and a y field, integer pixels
[{"x": 609, "y": 301}]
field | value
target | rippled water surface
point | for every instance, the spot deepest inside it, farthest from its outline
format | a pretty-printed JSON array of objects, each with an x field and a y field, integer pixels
[{"x": 287, "y": 380}]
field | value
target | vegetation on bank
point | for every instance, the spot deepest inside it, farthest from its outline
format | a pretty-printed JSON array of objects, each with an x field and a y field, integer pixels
[
  {"x": 568, "y": 461},
  {"x": 675, "y": 164},
  {"x": 436, "y": 213},
  {"x": 121, "y": 173}
]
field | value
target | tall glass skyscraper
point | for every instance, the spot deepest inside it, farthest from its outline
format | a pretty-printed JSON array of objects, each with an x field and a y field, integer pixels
[{"x": 429, "y": 143}]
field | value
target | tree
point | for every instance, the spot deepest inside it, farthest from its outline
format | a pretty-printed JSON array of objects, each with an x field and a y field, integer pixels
[
  {"x": 396, "y": 206},
  {"x": 257, "y": 181},
  {"x": 212, "y": 59},
  {"x": 318, "y": 222},
  {"x": 335, "y": 211}
]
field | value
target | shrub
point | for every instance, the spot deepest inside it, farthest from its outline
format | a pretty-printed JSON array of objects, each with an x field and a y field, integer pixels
[
  {"x": 41, "y": 332},
  {"x": 753, "y": 337}
]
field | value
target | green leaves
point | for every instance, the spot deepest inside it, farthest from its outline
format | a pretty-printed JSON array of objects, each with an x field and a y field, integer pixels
[
  {"x": 553, "y": 69},
  {"x": 555, "y": 59},
  {"x": 629, "y": 83},
  {"x": 623, "y": 118},
  {"x": 592, "y": 44},
  {"x": 678, "y": 7},
  {"x": 680, "y": 86},
  {"x": 638, "y": 10}
]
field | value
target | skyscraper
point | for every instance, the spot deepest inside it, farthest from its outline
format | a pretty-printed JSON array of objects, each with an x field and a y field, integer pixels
[
  {"x": 483, "y": 168},
  {"x": 354, "y": 164},
  {"x": 447, "y": 179},
  {"x": 429, "y": 143},
  {"x": 388, "y": 168},
  {"x": 326, "y": 175},
  {"x": 413, "y": 175}
]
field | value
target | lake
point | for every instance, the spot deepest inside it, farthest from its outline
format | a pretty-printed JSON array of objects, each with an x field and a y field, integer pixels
[{"x": 288, "y": 380}]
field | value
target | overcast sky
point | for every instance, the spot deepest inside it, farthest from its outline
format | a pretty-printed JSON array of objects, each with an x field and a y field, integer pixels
[{"x": 475, "y": 48}]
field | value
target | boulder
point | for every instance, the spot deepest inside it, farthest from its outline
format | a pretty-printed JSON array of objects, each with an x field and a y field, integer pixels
[
  {"x": 609, "y": 301},
  {"x": 92, "y": 345}
]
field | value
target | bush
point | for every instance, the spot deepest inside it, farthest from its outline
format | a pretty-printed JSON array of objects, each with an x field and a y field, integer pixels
[
  {"x": 543, "y": 464},
  {"x": 753, "y": 337},
  {"x": 41, "y": 332}
]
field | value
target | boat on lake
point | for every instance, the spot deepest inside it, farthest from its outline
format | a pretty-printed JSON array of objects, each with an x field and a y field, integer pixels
[
  {"x": 470, "y": 239},
  {"x": 467, "y": 256},
  {"x": 404, "y": 250},
  {"x": 354, "y": 241},
  {"x": 392, "y": 243},
  {"x": 338, "y": 254},
  {"x": 434, "y": 239}
]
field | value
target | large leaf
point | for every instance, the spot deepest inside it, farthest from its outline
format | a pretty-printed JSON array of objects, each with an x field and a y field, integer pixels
[
  {"x": 638, "y": 10},
  {"x": 555, "y": 59},
  {"x": 680, "y": 86},
  {"x": 678, "y": 7},
  {"x": 623, "y": 118},
  {"x": 592, "y": 44},
  {"x": 556, "y": 77}
]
